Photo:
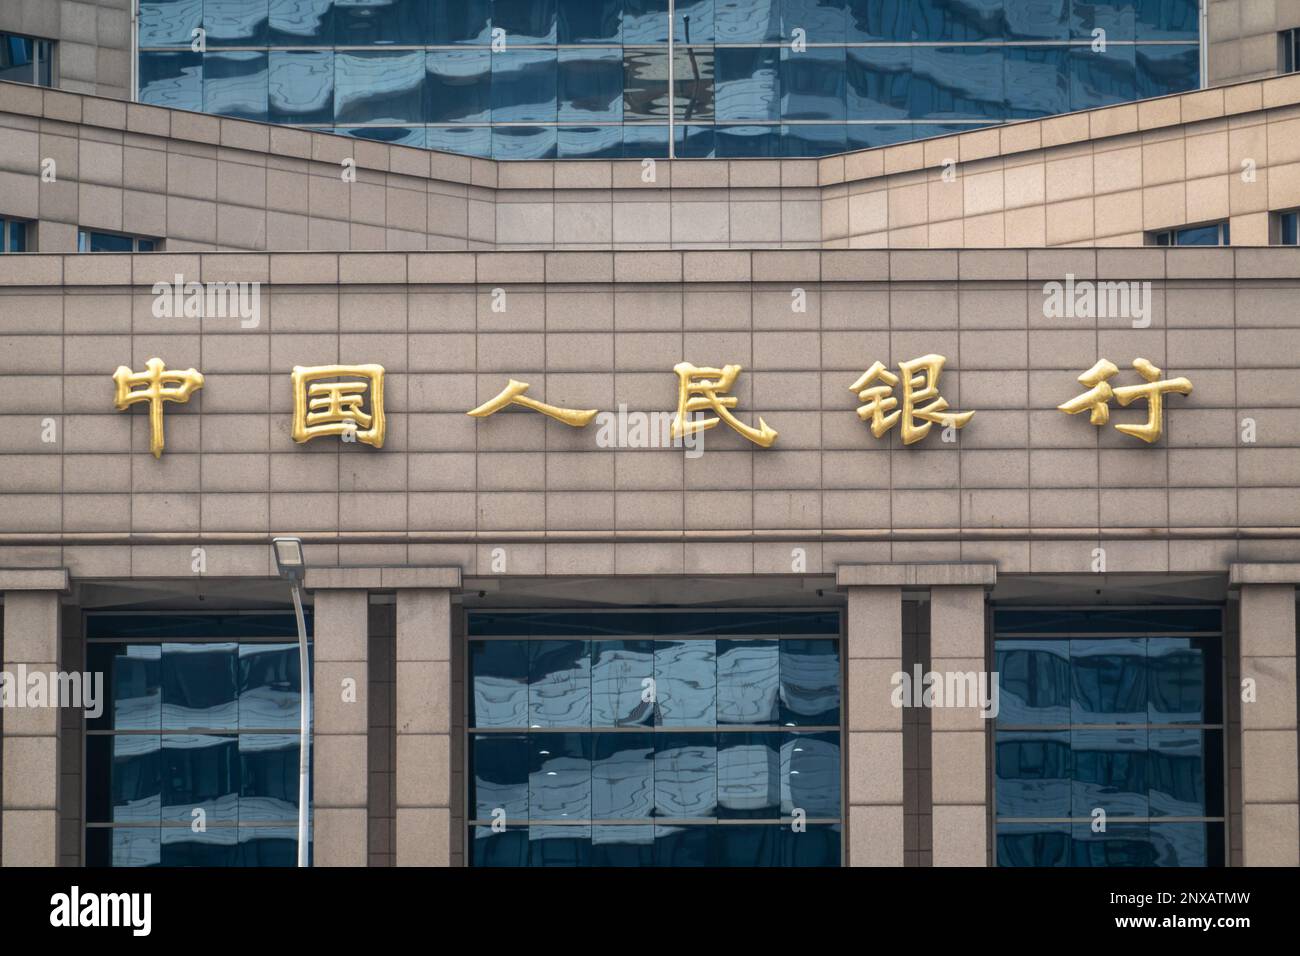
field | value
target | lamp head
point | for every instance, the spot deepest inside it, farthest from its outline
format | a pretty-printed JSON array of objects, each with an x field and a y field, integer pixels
[{"x": 289, "y": 561}]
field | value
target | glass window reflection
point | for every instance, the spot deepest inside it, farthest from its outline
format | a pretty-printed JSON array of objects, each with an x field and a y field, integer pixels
[
  {"x": 301, "y": 86},
  {"x": 378, "y": 87}
]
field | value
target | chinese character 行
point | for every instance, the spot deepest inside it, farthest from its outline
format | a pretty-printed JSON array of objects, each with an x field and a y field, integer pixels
[
  {"x": 920, "y": 384},
  {"x": 1096, "y": 399},
  {"x": 155, "y": 385},
  {"x": 322, "y": 407},
  {"x": 697, "y": 391},
  {"x": 513, "y": 394}
]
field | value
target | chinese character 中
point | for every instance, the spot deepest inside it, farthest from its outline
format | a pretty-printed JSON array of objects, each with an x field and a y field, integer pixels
[
  {"x": 920, "y": 384},
  {"x": 513, "y": 394},
  {"x": 322, "y": 407},
  {"x": 697, "y": 391},
  {"x": 155, "y": 385}
]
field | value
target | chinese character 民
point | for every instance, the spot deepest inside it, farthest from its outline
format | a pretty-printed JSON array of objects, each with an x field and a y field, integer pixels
[
  {"x": 513, "y": 394},
  {"x": 1096, "y": 399},
  {"x": 697, "y": 391},
  {"x": 155, "y": 385},
  {"x": 322, "y": 407},
  {"x": 920, "y": 384}
]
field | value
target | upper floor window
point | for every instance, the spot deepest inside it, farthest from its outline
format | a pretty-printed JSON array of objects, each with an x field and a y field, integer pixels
[
  {"x": 91, "y": 241},
  {"x": 1209, "y": 234},
  {"x": 13, "y": 235},
  {"x": 26, "y": 59},
  {"x": 1286, "y": 228},
  {"x": 1289, "y": 43}
]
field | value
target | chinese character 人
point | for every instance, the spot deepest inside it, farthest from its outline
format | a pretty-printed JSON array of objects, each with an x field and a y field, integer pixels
[
  {"x": 920, "y": 384},
  {"x": 513, "y": 394},
  {"x": 697, "y": 391},
  {"x": 155, "y": 385},
  {"x": 324, "y": 407},
  {"x": 1096, "y": 400}
]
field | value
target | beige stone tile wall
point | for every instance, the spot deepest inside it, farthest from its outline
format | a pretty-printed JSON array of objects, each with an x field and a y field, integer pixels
[
  {"x": 93, "y": 52},
  {"x": 1243, "y": 37},
  {"x": 1024, "y": 485},
  {"x": 1106, "y": 177}
]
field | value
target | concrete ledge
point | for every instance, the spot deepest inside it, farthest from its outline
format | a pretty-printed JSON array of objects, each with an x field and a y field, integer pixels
[
  {"x": 1239, "y": 574},
  {"x": 379, "y": 579},
  {"x": 434, "y": 577},
  {"x": 33, "y": 579},
  {"x": 916, "y": 575}
]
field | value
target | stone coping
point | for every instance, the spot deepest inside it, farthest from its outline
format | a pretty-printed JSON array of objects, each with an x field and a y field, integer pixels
[
  {"x": 942, "y": 574},
  {"x": 33, "y": 579},
  {"x": 101, "y": 270},
  {"x": 1263, "y": 573},
  {"x": 60, "y": 106}
]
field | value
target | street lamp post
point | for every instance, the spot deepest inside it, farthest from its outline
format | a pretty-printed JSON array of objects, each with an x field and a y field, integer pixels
[{"x": 289, "y": 562}]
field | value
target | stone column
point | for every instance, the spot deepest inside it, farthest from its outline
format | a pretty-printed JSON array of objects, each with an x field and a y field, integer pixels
[
  {"x": 875, "y": 739},
  {"x": 958, "y": 743},
  {"x": 423, "y": 731},
  {"x": 29, "y": 763},
  {"x": 1270, "y": 811},
  {"x": 340, "y": 687}
]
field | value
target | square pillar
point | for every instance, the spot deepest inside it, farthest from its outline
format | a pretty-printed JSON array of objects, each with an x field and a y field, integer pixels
[
  {"x": 340, "y": 716},
  {"x": 1270, "y": 808},
  {"x": 875, "y": 725},
  {"x": 423, "y": 731},
  {"x": 958, "y": 741},
  {"x": 30, "y": 749}
]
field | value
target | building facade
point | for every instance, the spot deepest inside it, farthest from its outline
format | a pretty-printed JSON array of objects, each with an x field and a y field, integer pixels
[{"x": 924, "y": 505}]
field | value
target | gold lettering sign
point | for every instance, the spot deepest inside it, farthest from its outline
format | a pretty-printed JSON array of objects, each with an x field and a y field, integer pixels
[
  {"x": 1096, "y": 401},
  {"x": 155, "y": 385},
  {"x": 325, "y": 407},
  {"x": 513, "y": 394},
  {"x": 697, "y": 391},
  {"x": 920, "y": 384}
]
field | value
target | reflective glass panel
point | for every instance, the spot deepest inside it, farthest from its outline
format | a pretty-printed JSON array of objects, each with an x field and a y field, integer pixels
[
  {"x": 590, "y": 142},
  {"x": 525, "y": 21},
  {"x": 686, "y": 682},
  {"x": 812, "y": 84},
  {"x": 379, "y": 87},
  {"x": 559, "y": 776},
  {"x": 877, "y": 81},
  {"x": 951, "y": 82},
  {"x": 623, "y": 776},
  {"x": 746, "y": 21},
  {"x": 169, "y": 22},
  {"x": 200, "y": 772},
  {"x": 686, "y": 775},
  {"x": 748, "y": 83},
  {"x": 622, "y": 680},
  {"x": 1033, "y": 771},
  {"x": 750, "y": 775},
  {"x": 823, "y": 21},
  {"x": 590, "y": 85},
  {"x": 748, "y": 681},
  {"x": 590, "y": 21},
  {"x": 1110, "y": 772},
  {"x": 200, "y": 686},
  {"x": 646, "y": 21},
  {"x": 235, "y": 22},
  {"x": 458, "y": 88},
  {"x": 173, "y": 80},
  {"x": 301, "y": 86},
  {"x": 693, "y": 22},
  {"x": 1100, "y": 79},
  {"x": 235, "y": 84},
  {"x": 1108, "y": 679},
  {"x": 460, "y": 21},
  {"x": 523, "y": 142},
  {"x": 301, "y": 22},
  {"x": 366, "y": 22},
  {"x": 524, "y": 86},
  {"x": 1037, "y": 81},
  {"x": 645, "y": 84}
]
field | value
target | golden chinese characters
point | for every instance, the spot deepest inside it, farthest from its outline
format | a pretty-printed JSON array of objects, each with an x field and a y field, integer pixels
[
  {"x": 324, "y": 407},
  {"x": 920, "y": 384},
  {"x": 1096, "y": 401},
  {"x": 697, "y": 391},
  {"x": 513, "y": 394},
  {"x": 155, "y": 385}
]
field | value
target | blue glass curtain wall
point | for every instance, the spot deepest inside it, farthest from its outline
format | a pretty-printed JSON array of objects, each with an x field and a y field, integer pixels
[
  {"x": 1110, "y": 738},
  {"x": 654, "y": 739},
  {"x": 194, "y": 758},
  {"x": 536, "y": 79}
]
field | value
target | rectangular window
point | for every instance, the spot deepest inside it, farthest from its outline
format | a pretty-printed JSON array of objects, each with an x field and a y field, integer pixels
[
  {"x": 26, "y": 59},
  {"x": 94, "y": 241},
  {"x": 1288, "y": 42},
  {"x": 13, "y": 235},
  {"x": 1209, "y": 234},
  {"x": 1286, "y": 228},
  {"x": 199, "y": 721},
  {"x": 1111, "y": 714},
  {"x": 638, "y": 738}
]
